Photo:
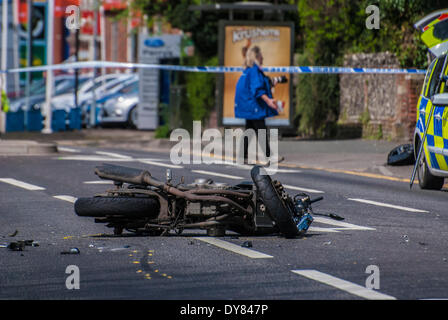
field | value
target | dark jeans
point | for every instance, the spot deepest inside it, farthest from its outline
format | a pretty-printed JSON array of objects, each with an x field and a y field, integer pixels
[{"x": 256, "y": 125}]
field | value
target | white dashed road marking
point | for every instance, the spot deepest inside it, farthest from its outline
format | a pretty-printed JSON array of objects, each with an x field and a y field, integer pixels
[
  {"x": 344, "y": 285},
  {"x": 341, "y": 225},
  {"x": 301, "y": 189},
  {"x": 99, "y": 182},
  {"x": 66, "y": 198},
  {"x": 21, "y": 184},
  {"x": 64, "y": 149},
  {"x": 222, "y": 175},
  {"x": 112, "y": 154},
  {"x": 234, "y": 248},
  {"x": 159, "y": 164},
  {"x": 96, "y": 158},
  {"x": 380, "y": 204}
]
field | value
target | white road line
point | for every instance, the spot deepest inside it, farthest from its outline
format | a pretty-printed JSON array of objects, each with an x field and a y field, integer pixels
[
  {"x": 112, "y": 154},
  {"x": 269, "y": 170},
  {"x": 222, "y": 175},
  {"x": 99, "y": 182},
  {"x": 344, "y": 285},
  {"x": 167, "y": 165},
  {"x": 66, "y": 198},
  {"x": 319, "y": 229},
  {"x": 95, "y": 158},
  {"x": 341, "y": 225},
  {"x": 302, "y": 189},
  {"x": 234, "y": 248},
  {"x": 68, "y": 149},
  {"x": 21, "y": 184},
  {"x": 381, "y": 204}
]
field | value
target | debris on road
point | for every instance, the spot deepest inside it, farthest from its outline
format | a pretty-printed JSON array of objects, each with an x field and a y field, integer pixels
[
  {"x": 20, "y": 245},
  {"x": 327, "y": 243},
  {"x": 101, "y": 249},
  {"x": 406, "y": 238},
  {"x": 13, "y": 234},
  {"x": 401, "y": 156},
  {"x": 330, "y": 215},
  {"x": 247, "y": 244},
  {"x": 16, "y": 246},
  {"x": 71, "y": 251}
]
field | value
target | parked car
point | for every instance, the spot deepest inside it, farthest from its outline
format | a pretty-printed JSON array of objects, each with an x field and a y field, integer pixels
[
  {"x": 100, "y": 85},
  {"x": 121, "y": 107},
  {"x": 432, "y": 168},
  {"x": 119, "y": 89},
  {"x": 62, "y": 85}
]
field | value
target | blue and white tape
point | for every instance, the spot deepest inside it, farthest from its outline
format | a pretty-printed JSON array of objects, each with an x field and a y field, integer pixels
[{"x": 213, "y": 69}]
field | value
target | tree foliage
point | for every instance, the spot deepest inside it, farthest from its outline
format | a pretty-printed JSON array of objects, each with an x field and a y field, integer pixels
[{"x": 333, "y": 28}]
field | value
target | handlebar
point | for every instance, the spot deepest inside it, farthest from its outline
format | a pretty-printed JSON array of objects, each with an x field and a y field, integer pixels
[{"x": 316, "y": 199}]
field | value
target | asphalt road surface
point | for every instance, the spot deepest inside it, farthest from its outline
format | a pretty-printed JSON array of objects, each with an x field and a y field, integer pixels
[{"x": 399, "y": 234}]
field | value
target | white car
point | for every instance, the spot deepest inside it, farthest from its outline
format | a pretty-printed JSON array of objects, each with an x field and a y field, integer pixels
[
  {"x": 100, "y": 85},
  {"x": 121, "y": 108}
]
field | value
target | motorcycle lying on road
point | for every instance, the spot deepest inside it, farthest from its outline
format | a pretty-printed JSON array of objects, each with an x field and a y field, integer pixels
[{"x": 141, "y": 204}]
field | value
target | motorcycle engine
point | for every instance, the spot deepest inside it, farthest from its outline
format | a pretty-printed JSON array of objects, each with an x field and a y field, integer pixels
[
  {"x": 200, "y": 209},
  {"x": 208, "y": 184}
]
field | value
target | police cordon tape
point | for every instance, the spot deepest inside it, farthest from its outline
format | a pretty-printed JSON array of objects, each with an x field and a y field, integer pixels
[{"x": 213, "y": 69}]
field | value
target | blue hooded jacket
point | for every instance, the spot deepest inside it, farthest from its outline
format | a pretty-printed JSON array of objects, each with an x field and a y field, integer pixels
[{"x": 248, "y": 102}]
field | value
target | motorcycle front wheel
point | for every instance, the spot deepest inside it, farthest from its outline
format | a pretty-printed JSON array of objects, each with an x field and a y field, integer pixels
[{"x": 275, "y": 206}]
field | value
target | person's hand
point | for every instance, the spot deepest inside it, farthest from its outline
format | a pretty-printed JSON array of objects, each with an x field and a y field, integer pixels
[{"x": 272, "y": 103}]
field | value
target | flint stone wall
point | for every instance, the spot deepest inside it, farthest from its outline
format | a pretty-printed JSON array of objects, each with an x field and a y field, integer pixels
[{"x": 385, "y": 105}]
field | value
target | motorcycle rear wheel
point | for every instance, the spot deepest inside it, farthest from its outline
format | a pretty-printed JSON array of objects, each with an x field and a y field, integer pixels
[
  {"x": 128, "y": 207},
  {"x": 276, "y": 208}
]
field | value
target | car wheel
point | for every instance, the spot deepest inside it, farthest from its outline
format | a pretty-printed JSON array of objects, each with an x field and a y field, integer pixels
[
  {"x": 132, "y": 118},
  {"x": 425, "y": 179}
]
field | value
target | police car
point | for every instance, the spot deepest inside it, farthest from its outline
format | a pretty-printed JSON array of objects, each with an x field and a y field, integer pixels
[{"x": 432, "y": 168}]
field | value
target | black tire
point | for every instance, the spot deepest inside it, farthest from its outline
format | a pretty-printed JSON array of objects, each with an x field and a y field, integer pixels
[
  {"x": 425, "y": 179},
  {"x": 276, "y": 208},
  {"x": 128, "y": 207},
  {"x": 132, "y": 118}
]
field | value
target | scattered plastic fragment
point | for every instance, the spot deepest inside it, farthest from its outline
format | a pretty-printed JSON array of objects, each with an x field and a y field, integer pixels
[
  {"x": 16, "y": 246},
  {"x": 247, "y": 244},
  {"x": 327, "y": 243},
  {"x": 71, "y": 251},
  {"x": 406, "y": 238},
  {"x": 13, "y": 234}
]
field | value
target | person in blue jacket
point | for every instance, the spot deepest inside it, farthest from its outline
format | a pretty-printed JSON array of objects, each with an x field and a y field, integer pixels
[{"x": 253, "y": 96}]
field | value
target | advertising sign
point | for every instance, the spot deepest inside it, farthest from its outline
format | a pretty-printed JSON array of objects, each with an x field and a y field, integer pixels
[
  {"x": 276, "y": 43},
  {"x": 151, "y": 50}
]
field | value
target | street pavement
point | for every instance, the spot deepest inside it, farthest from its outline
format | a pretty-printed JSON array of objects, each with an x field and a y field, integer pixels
[{"x": 401, "y": 232}]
